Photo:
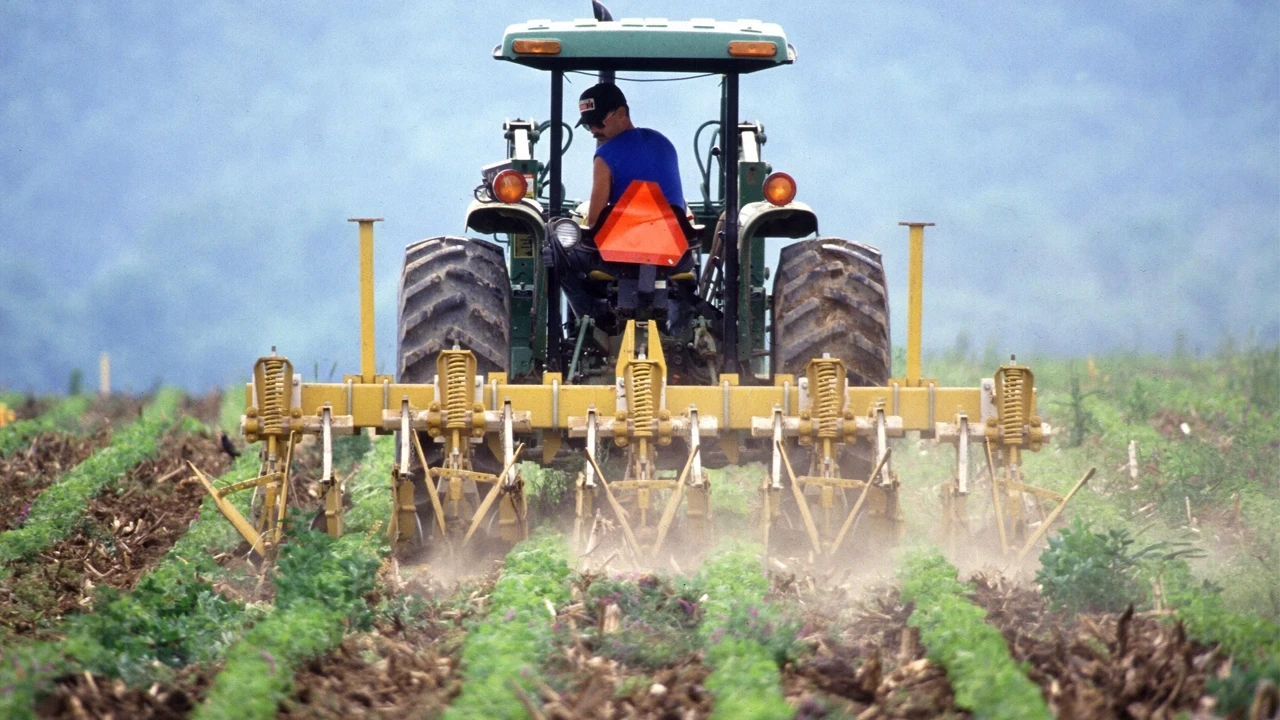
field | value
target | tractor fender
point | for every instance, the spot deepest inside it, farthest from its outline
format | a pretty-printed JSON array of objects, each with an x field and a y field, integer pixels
[
  {"x": 763, "y": 219},
  {"x": 496, "y": 218}
]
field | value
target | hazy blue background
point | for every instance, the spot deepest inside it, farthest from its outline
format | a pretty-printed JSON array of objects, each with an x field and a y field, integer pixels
[{"x": 175, "y": 177}]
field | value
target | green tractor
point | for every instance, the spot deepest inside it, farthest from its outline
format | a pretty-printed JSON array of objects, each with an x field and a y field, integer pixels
[
  {"x": 685, "y": 356},
  {"x": 503, "y": 301}
]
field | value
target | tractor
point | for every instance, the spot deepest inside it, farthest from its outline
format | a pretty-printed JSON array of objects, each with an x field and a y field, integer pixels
[{"x": 490, "y": 361}]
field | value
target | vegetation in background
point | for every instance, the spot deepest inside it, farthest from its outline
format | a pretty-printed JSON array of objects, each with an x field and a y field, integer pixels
[
  {"x": 1079, "y": 419},
  {"x": 985, "y": 679},
  {"x": 1190, "y": 481},
  {"x": 737, "y": 488},
  {"x": 546, "y": 488},
  {"x": 61, "y": 416}
]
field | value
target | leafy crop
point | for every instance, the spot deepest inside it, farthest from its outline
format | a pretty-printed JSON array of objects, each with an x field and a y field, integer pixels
[
  {"x": 985, "y": 679},
  {"x": 659, "y": 619},
  {"x": 62, "y": 505},
  {"x": 1252, "y": 642},
  {"x": 63, "y": 415},
  {"x": 171, "y": 619},
  {"x": 321, "y": 585},
  {"x": 746, "y": 638},
  {"x": 1087, "y": 571},
  {"x": 505, "y": 651}
]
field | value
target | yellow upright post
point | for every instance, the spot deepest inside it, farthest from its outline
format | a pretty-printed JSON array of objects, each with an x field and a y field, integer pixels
[
  {"x": 915, "y": 299},
  {"x": 367, "y": 364}
]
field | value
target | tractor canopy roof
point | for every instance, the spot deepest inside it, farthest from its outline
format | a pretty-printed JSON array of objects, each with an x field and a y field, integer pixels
[{"x": 647, "y": 44}]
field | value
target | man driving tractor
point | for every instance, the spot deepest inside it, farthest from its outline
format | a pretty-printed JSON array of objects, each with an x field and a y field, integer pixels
[{"x": 625, "y": 154}]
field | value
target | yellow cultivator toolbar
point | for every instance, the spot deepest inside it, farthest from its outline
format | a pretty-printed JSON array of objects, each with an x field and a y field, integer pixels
[{"x": 814, "y": 416}]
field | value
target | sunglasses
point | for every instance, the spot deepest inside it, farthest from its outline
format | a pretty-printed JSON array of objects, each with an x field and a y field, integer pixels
[{"x": 600, "y": 125}]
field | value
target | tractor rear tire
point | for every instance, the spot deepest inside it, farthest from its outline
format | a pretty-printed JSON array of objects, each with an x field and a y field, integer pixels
[
  {"x": 829, "y": 297},
  {"x": 453, "y": 291}
]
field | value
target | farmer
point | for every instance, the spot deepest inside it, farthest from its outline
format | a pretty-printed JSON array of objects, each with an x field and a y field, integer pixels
[{"x": 625, "y": 152}]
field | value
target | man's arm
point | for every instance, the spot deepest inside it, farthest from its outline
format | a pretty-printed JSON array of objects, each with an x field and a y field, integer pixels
[{"x": 601, "y": 182}]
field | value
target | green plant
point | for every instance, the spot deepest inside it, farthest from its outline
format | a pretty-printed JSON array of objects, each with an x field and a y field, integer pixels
[
  {"x": 545, "y": 488},
  {"x": 985, "y": 679},
  {"x": 505, "y": 650},
  {"x": 62, "y": 504},
  {"x": 1235, "y": 692},
  {"x": 659, "y": 619},
  {"x": 737, "y": 488},
  {"x": 1087, "y": 571},
  {"x": 171, "y": 618},
  {"x": 1080, "y": 420},
  {"x": 1140, "y": 403},
  {"x": 1261, "y": 380},
  {"x": 746, "y": 638},
  {"x": 321, "y": 584},
  {"x": 61, "y": 416}
]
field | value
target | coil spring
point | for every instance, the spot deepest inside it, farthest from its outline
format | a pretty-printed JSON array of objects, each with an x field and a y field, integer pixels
[
  {"x": 642, "y": 398},
  {"x": 271, "y": 413},
  {"x": 827, "y": 399},
  {"x": 1013, "y": 390},
  {"x": 455, "y": 389}
]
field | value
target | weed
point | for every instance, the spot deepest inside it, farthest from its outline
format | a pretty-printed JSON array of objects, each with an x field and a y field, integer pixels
[{"x": 1087, "y": 571}]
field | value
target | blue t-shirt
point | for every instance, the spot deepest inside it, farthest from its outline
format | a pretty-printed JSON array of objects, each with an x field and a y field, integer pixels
[{"x": 642, "y": 154}]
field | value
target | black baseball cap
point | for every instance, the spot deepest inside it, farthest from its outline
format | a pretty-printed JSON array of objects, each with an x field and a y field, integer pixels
[{"x": 597, "y": 101}]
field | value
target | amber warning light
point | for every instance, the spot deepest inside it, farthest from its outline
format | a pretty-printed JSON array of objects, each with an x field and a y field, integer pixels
[
  {"x": 536, "y": 47},
  {"x": 779, "y": 189},
  {"x": 510, "y": 186},
  {"x": 752, "y": 48}
]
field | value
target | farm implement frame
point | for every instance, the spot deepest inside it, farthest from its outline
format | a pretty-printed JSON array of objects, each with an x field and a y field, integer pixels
[{"x": 820, "y": 412}]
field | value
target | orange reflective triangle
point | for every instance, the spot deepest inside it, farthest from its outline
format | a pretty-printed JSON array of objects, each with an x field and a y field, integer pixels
[{"x": 642, "y": 228}]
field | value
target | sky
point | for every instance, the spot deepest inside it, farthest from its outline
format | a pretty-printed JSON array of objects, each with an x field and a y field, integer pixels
[{"x": 175, "y": 178}]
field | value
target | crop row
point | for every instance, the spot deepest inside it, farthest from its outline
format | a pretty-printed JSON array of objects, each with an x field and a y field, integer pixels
[
  {"x": 985, "y": 679},
  {"x": 320, "y": 584},
  {"x": 504, "y": 653},
  {"x": 745, "y": 638},
  {"x": 173, "y": 618},
  {"x": 1252, "y": 642},
  {"x": 62, "y": 504},
  {"x": 16, "y": 435}
]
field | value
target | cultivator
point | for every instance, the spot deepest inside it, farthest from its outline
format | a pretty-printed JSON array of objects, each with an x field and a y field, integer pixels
[{"x": 817, "y": 416}]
